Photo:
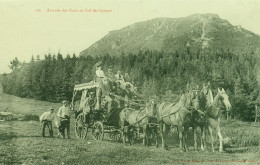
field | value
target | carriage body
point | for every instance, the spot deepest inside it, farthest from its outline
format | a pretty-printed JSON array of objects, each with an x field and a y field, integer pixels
[{"x": 98, "y": 120}]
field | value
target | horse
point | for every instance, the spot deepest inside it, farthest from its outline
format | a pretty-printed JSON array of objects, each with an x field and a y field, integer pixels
[
  {"x": 131, "y": 119},
  {"x": 197, "y": 119},
  {"x": 213, "y": 109},
  {"x": 179, "y": 114}
]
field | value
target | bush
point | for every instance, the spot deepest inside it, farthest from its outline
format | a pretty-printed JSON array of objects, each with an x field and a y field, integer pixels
[{"x": 242, "y": 136}]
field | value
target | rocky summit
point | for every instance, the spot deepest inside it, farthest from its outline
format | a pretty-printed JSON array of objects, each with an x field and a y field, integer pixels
[{"x": 198, "y": 31}]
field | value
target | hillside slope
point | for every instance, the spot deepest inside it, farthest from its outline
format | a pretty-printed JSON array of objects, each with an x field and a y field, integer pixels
[
  {"x": 17, "y": 105},
  {"x": 170, "y": 34}
]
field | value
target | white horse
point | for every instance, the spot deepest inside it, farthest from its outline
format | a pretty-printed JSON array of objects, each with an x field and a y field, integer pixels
[{"x": 212, "y": 111}]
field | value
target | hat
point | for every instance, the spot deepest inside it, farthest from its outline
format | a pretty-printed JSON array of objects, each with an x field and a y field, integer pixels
[
  {"x": 98, "y": 64},
  {"x": 65, "y": 101}
]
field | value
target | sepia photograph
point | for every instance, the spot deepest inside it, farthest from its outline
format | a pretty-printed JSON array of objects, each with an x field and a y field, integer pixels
[{"x": 129, "y": 82}]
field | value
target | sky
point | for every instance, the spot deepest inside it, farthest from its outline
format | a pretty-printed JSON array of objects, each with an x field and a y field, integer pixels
[{"x": 38, "y": 27}]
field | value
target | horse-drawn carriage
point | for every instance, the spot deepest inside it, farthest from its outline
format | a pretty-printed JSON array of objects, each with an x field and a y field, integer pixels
[
  {"x": 101, "y": 120},
  {"x": 128, "y": 112}
]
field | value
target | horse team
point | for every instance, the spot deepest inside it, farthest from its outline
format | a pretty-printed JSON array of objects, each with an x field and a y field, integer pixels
[{"x": 196, "y": 108}]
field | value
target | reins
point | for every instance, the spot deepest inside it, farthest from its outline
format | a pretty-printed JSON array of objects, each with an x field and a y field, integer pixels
[{"x": 137, "y": 121}]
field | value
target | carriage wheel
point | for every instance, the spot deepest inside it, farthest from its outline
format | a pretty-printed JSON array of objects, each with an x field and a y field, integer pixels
[
  {"x": 98, "y": 131},
  {"x": 81, "y": 128},
  {"x": 112, "y": 136},
  {"x": 118, "y": 136},
  {"x": 115, "y": 136}
]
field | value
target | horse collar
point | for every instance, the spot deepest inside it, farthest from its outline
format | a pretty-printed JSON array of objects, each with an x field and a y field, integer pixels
[{"x": 211, "y": 115}]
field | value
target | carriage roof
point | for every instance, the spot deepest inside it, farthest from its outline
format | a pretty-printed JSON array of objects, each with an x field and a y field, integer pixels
[
  {"x": 90, "y": 85},
  {"x": 93, "y": 85}
]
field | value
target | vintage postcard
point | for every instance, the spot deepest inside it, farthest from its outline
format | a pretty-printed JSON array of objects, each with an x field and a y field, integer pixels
[{"x": 129, "y": 82}]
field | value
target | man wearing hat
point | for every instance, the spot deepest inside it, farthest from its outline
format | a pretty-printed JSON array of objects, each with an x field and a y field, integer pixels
[
  {"x": 99, "y": 72},
  {"x": 91, "y": 100},
  {"x": 110, "y": 74},
  {"x": 88, "y": 104},
  {"x": 106, "y": 91},
  {"x": 120, "y": 80},
  {"x": 119, "y": 76},
  {"x": 64, "y": 115},
  {"x": 99, "y": 77},
  {"x": 46, "y": 120}
]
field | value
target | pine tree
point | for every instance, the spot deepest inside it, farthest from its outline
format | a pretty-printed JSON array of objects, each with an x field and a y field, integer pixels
[{"x": 14, "y": 64}]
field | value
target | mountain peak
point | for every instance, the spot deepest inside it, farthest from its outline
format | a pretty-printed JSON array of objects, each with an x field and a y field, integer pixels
[
  {"x": 206, "y": 15},
  {"x": 198, "y": 31}
]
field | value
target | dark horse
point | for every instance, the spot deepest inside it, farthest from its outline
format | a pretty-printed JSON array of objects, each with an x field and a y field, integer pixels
[
  {"x": 212, "y": 109},
  {"x": 131, "y": 119},
  {"x": 198, "y": 120},
  {"x": 170, "y": 114}
]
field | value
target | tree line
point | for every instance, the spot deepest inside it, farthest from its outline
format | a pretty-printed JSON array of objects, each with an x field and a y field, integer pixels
[{"x": 158, "y": 73}]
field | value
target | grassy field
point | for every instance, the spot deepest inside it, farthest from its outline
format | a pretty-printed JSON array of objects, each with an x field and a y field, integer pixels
[
  {"x": 21, "y": 143},
  {"x": 24, "y": 106}
]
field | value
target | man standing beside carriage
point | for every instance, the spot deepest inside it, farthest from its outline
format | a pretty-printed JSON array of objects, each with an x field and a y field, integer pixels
[
  {"x": 64, "y": 115},
  {"x": 46, "y": 120}
]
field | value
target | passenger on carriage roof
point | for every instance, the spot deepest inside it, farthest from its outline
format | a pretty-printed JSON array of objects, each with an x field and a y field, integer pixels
[
  {"x": 106, "y": 90},
  {"x": 99, "y": 71},
  {"x": 100, "y": 78},
  {"x": 118, "y": 76},
  {"x": 127, "y": 77},
  {"x": 110, "y": 74}
]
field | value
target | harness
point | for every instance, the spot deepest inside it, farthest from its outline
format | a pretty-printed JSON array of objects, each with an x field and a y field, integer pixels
[
  {"x": 139, "y": 119},
  {"x": 183, "y": 107},
  {"x": 177, "y": 110},
  {"x": 47, "y": 121},
  {"x": 171, "y": 105},
  {"x": 212, "y": 115},
  {"x": 174, "y": 112},
  {"x": 149, "y": 124}
]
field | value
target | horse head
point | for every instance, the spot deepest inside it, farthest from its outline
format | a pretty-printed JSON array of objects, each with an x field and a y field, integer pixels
[
  {"x": 222, "y": 99},
  {"x": 191, "y": 99},
  {"x": 150, "y": 108}
]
